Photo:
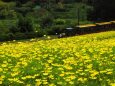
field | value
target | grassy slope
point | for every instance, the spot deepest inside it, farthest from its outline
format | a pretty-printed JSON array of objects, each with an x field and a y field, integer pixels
[{"x": 80, "y": 60}]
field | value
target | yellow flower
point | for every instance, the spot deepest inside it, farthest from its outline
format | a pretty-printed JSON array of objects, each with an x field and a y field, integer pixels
[
  {"x": 109, "y": 73},
  {"x": 24, "y": 63},
  {"x": 50, "y": 61},
  {"x": 59, "y": 61},
  {"x": 68, "y": 67},
  {"x": 28, "y": 85},
  {"x": 89, "y": 66},
  {"x": 13, "y": 79},
  {"x": 72, "y": 77},
  {"x": 71, "y": 82},
  {"x": 62, "y": 74},
  {"x": 61, "y": 69},
  {"x": 38, "y": 82},
  {"x": 45, "y": 74},
  {"x": 1, "y": 69},
  {"x": 28, "y": 77},
  {"x": 1, "y": 79},
  {"x": 5, "y": 62},
  {"x": 60, "y": 83},
  {"x": 24, "y": 78},
  {"x": 45, "y": 82},
  {"x": 0, "y": 82},
  {"x": 104, "y": 71},
  {"x": 4, "y": 65},
  {"x": 52, "y": 84},
  {"x": 2, "y": 76},
  {"x": 112, "y": 84},
  {"x": 51, "y": 76},
  {"x": 94, "y": 73},
  {"x": 14, "y": 74},
  {"x": 81, "y": 79},
  {"x": 67, "y": 79}
]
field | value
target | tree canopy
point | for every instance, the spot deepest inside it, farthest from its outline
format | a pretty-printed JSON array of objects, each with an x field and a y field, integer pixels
[{"x": 103, "y": 10}]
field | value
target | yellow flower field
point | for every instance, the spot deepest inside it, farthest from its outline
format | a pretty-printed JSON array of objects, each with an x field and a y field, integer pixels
[{"x": 87, "y": 60}]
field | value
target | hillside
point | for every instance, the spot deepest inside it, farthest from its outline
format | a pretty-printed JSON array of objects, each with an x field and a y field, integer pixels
[
  {"x": 35, "y": 18},
  {"x": 25, "y": 19},
  {"x": 75, "y": 61}
]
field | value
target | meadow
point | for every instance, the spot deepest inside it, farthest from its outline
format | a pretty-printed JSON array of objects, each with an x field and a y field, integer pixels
[{"x": 87, "y": 60}]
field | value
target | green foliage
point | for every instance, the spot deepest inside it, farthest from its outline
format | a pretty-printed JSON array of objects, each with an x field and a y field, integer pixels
[
  {"x": 59, "y": 21},
  {"x": 25, "y": 24},
  {"x": 23, "y": 10},
  {"x": 19, "y": 36},
  {"x": 60, "y": 7},
  {"x": 3, "y": 37},
  {"x": 29, "y": 19},
  {"x": 41, "y": 32},
  {"x": 6, "y": 10},
  {"x": 58, "y": 29},
  {"x": 5, "y": 25},
  {"x": 7, "y": 14},
  {"x": 14, "y": 29},
  {"x": 30, "y": 35},
  {"x": 46, "y": 21},
  {"x": 104, "y": 10}
]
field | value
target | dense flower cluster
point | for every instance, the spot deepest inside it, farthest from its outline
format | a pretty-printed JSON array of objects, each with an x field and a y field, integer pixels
[{"x": 87, "y": 60}]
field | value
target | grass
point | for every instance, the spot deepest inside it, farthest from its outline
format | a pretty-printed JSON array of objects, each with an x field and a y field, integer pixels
[{"x": 86, "y": 60}]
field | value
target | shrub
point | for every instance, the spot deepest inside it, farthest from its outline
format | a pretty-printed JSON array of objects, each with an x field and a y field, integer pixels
[
  {"x": 59, "y": 21},
  {"x": 3, "y": 37},
  {"x": 58, "y": 28},
  {"x": 19, "y": 36},
  {"x": 14, "y": 29},
  {"x": 41, "y": 32},
  {"x": 46, "y": 21},
  {"x": 25, "y": 24},
  {"x": 31, "y": 35},
  {"x": 11, "y": 36}
]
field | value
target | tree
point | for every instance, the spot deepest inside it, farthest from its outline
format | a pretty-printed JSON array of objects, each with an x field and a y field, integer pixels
[
  {"x": 104, "y": 10},
  {"x": 25, "y": 24},
  {"x": 6, "y": 10}
]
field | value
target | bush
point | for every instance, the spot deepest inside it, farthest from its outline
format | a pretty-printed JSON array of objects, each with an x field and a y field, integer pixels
[
  {"x": 19, "y": 36},
  {"x": 14, "y": 29},
  {"x": 11, "y": 36},
  {"x": 25, "y": 25},
  {"x": 31, "y": 35},
  {"x": 46, "y": 21},
  {"x": 59, "y": 21},
  {"x": 3, "y": 37},
  {"x": 41, "y": 32},
  {"x": 58, "y": 29}
]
